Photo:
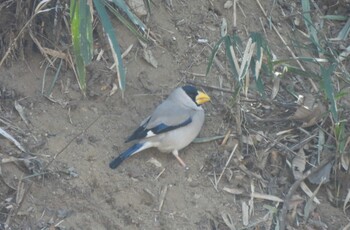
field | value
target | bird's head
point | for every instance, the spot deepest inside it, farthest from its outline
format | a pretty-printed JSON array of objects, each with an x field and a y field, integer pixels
[{"x": 197, "y": 96}]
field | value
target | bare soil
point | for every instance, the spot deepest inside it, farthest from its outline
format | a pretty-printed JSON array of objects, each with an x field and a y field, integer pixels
[{"x": 72, "y": 138}]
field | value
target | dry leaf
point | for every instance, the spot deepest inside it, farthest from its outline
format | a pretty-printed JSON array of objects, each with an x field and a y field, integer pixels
[
  {"x": 114, "y": 89},
  {"x": 308, "y": 192},
  {"x": 310, "y": 111},
  {"x": 298, "y": 164},
  {"x": 228, "y": 4},
  {"x": 12, "y": 139},
  {"x": 276, "y": 86},
  {"x": 20, "y": 110},
  {"x": 248, "y": 140},
  {"x": 346, "y": 201},
  {"x": 155, "y": 162},
  {"x": 234, "y": 191},
  {"x": 228, "y": 220},
  {"x": 322, "y": 176},
  {"x": 345, "y": 161},
  {"x": 148, "y": 56},
  {"x": 266, "y": 197},
  {"x": 345, "y": 158},
  {"x": 294, "y": 202}
]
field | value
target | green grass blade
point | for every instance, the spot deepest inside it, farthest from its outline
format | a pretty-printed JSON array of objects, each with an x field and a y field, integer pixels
[
  {"x": 343, "y": 34},
  {"x": 125, "y": 21},
  {"x": 109, "y": 30},
  {"x": 213, "y": 53},
  {"x": 261, "y": 43},
  {"x": 125, "y": 8},
  {"x": 328, "y": 88},
  {"x": 85, "y": 30},
  {"x": 309, "y": 25},
  {"x": 340, "y": 136},
  {"x": 81, "y": 38},
  {"x": 334, "y": 17},
  {"x": 55, "y": 78}
]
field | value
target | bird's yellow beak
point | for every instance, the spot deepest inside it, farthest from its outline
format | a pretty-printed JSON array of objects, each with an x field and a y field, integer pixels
[{"x": 202, "y": 98}]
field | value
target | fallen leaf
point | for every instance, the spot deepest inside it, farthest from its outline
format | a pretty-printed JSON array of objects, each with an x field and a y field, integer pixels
[
  {"x": 228, "y": 4},
  {"x": 322, "y": 175},
  {"x": 346, "y": 201},
  {"x": 298, "y": 164},
  {"x": 20, "y": 110},
  {"x": 148, "y": 56},
  {"x": 310, "y": 111}
]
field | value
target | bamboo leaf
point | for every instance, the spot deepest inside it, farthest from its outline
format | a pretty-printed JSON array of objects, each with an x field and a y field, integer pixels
[
  {"x": 328, "y": 88},
  {"x": 213, "y": 53},
  {"x": 55, "y": 78},
  {"x": 81, "y": 27},
  {"x": 231, "y": 57},
  {"x": 309, "y": 25},
  {"x": 85, "y": 30},
  {"x": 113, "y": 42},
  {"x": 125, "y": 8},
  {"x": 125, "y": 21}
]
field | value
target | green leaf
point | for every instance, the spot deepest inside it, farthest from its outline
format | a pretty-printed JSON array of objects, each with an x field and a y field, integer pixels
[
  {"x": 55, "y": 78},
  {"x": 334, "y": 17},
  {"x": 85, "y": 30},
  {"x": 340, "y": 136},
  {"x": 309, "y": 25},
  {"x": 81, "y": 27},
  {"x": 213, "y": 53},
  {"x": 328, "y": 88},
  {"x": 125, "y": 21},
  {"x": 109, "y": 30},
  {"x": 125, "y": 8}
]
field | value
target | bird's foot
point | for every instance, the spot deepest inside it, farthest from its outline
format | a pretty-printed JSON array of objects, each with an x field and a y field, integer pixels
[{"x": 176, "y": 154}]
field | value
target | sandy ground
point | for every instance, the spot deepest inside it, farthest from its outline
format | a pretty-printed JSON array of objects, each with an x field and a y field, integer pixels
[{"x": 81, "y": 135}]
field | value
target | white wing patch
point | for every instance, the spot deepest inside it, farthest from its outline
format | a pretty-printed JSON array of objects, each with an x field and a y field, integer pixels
[{"x": 150, "y": 134}]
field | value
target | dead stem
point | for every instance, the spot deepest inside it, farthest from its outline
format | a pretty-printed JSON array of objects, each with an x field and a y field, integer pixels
[{"x": 294, "y": 187}]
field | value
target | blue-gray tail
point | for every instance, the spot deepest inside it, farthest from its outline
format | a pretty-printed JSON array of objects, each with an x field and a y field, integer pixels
[{"x": 130, "y": 151}]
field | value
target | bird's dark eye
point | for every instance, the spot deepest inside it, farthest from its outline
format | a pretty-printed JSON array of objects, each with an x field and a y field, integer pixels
[{"x": 191, "y": 91}]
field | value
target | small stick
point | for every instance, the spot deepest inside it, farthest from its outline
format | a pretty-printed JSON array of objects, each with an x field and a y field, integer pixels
[
  {"x": 211, "y": 87},
  {"x": 162, "y": 197},
  {"x": 161, "y": 172},
  {"x": 194, "y": 74},
  {"x": 294, "y": 187},
  {"x": 226, "y": 137},
  {"x": 227, "y": 162}
]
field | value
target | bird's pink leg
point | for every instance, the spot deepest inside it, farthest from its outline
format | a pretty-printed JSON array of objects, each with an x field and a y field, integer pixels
[{"x": 176, "y": 154}]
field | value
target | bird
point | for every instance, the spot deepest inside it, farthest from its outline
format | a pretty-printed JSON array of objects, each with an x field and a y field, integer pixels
[{"x": 172, "y": 126}]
